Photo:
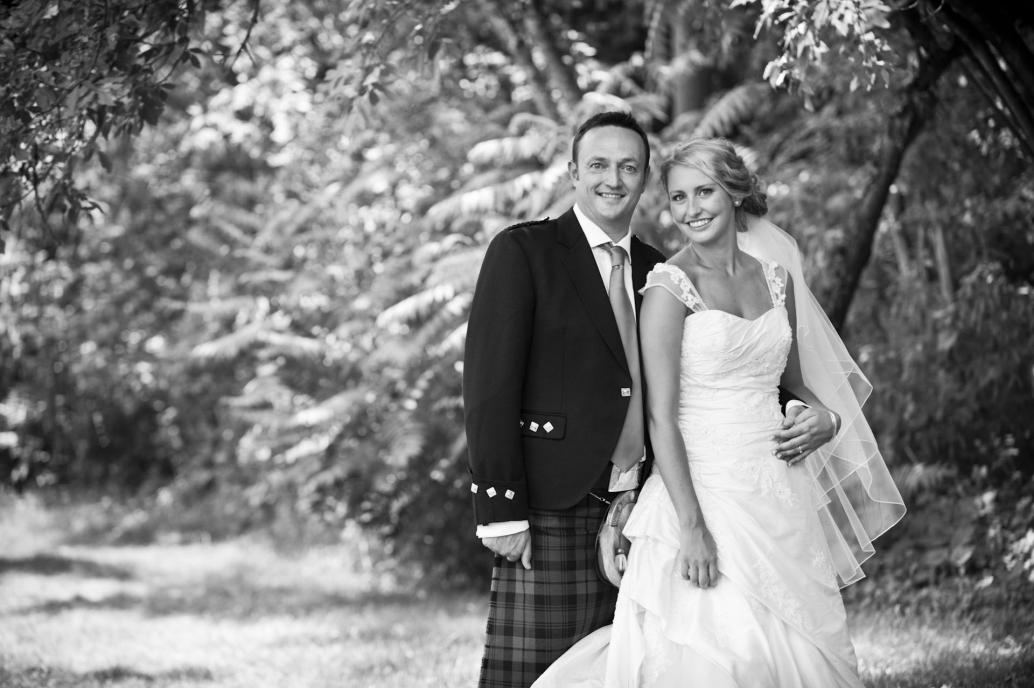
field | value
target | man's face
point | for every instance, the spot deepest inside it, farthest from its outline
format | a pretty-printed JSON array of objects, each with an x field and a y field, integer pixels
[{"x": 609, "y": 177}]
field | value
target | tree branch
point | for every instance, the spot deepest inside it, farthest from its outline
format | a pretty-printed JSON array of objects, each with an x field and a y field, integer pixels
[
  {"x": 850, "y": 259},
  {"x": 985, "y": 52}
]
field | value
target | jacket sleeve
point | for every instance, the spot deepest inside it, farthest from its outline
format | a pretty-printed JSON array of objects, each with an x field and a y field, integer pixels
[{"x": 494, "y": 364}]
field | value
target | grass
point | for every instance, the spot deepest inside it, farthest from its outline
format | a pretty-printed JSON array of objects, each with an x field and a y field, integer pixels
[{"x": 247, "y": 614}]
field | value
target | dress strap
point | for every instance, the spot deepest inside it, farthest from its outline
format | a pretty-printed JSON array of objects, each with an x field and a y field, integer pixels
[
  {"x": 675, "y": 281},
  {"x": 775, "y": 276}
]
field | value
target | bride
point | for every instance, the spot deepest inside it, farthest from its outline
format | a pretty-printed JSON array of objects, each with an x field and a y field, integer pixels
[{"x": 740, "y": 543}]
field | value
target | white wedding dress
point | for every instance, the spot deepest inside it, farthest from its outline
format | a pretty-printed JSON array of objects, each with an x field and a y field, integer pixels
[{"x": 775, "y": 619}]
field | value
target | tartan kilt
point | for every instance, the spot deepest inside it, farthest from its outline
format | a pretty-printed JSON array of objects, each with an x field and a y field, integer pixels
[{"x": 536, "y": 615}]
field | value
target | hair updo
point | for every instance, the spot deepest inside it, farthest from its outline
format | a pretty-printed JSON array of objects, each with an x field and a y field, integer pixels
[{"x": 718, "y": 159}]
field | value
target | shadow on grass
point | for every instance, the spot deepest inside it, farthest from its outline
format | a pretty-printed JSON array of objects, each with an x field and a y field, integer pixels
[
  {"x": 54, "y": 565},
  {"x": 963, "y": 672},
  {"x": 45, "y": 677},
  {"x": 229, "y": 597}
]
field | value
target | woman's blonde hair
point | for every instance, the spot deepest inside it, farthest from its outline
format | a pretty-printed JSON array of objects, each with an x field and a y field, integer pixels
[{"x": 718, "y": 159}]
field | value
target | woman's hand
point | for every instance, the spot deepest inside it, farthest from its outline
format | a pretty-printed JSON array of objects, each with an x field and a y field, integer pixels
[{"x": 697, "y": 560}]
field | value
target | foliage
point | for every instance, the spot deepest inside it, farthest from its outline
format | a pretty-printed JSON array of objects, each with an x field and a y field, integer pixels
[
  {"x": 268, "y": 315},
  {"x": 811, "y": 33},
  {"x": 76, "y": 75}
]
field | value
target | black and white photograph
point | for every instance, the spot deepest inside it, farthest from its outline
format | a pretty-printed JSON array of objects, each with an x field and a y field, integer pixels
[{"x": 516, "y": 344}]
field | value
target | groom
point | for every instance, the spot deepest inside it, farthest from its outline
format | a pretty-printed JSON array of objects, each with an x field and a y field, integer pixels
[{"x": 553, "y": 401}]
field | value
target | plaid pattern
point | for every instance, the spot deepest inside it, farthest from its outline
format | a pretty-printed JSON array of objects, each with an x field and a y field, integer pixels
[{"x": 535, "y": 616}]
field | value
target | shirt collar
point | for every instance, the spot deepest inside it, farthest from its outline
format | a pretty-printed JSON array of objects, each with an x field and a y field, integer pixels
[{"x": 596, "y": 236}]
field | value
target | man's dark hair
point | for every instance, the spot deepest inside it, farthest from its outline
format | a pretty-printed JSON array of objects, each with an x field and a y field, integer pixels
[{"x": 610, "y": 118}]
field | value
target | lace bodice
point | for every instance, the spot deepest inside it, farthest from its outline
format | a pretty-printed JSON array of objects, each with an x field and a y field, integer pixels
[{"x": 730, "y": 364}]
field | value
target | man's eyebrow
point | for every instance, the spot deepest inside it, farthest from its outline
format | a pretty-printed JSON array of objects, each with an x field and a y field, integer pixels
[{"x": 591, "y": 158}]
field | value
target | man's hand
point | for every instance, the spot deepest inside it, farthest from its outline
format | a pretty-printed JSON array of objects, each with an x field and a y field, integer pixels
[
  {"x": 804, "y": 430},
  {"x": 513, "y": 547}
]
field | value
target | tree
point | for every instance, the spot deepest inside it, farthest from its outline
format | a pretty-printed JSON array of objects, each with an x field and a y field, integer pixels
[{"x": 76, "y": 74}]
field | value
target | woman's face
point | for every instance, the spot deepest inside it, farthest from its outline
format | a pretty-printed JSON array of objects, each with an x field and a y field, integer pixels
[{"x": 700, "y": 207}]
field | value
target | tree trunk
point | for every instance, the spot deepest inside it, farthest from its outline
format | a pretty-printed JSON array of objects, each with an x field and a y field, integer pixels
[
  {"x": 691, "y": 89},
  {"x": 898, "y": 239},
  {"x": 509, "y": 35},
  {"x": 849, "y": 260},
  {"x": 561, "y": 74},
  {"x": 1002, "y": 61}
]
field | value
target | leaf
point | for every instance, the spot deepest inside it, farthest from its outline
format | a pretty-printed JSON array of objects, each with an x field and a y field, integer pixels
[{"x": 735, "y": 107}]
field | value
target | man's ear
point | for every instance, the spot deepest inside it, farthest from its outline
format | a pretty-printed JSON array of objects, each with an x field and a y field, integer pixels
[{"x": 572, "y": 169}]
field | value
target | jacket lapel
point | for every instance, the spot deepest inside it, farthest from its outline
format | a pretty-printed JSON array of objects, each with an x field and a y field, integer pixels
[{"x": 581, "y": 267}]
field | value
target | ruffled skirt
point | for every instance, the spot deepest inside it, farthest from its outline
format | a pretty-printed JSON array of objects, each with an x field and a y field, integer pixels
[{"x": 775, "y": 618}]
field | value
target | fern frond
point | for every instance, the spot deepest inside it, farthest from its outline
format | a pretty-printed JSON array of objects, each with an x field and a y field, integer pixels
[
  {"x": 540, "y": 197},
  {"x": 266, "y": 419},
  {"x": 452, "y": 343},
  {"x": 750, "y": 156},
  {"x": 217, "y": 308},
  {"x": 405, "y": 442},
  {"x": 467, "y": 203},
  {"x": 658, "y": 31},
  {"x": 649, "y": 105},
  {"x": 231, "y": 344},
  {"x": 264, "y": 391},
  {"x": 491, "y": 199},
  {"x": 202, "y": 239},
  {"x": 288, "y": 220},
  {"x": 292, "y": 345},
  {"x": 683, "y": 66},
  {"x": 531, "y": 145},
  {"x": 417, "y": 306},
  {"x": 268, "y": 276},
  {"x": 431, "y": 251},
  {"x": 459, "y": 269},
  {"x": 254, "y": 254},
  {"x": 739, "y": 105},
  {"x": 230, "y": 230},
  {"x": 597, "y": 101},
  {"x": 917, "y": 478},
  {"x": 335, "y": 407},
  {"x": 313, "y": 445},
  {"x": 524, "y": 121},
  {"x": 442, "y": 321}
]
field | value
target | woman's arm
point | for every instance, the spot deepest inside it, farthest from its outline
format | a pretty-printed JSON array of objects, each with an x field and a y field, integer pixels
[
  {"x": 804, "y": 429},
  {"x": 661, "y": 323}
]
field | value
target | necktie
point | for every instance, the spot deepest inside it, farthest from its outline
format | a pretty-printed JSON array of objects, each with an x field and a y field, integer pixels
[{"x": 629, "y": 448}]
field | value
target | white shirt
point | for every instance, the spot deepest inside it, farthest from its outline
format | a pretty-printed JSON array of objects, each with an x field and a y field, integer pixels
[{"x": 598, "y": 240}]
